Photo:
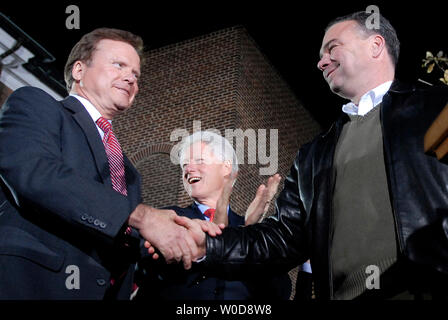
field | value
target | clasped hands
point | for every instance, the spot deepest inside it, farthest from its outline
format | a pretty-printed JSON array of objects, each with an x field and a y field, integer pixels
[{"x": 179, "y": 238}]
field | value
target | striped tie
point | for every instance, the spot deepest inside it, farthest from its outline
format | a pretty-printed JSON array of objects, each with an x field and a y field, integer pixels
[{"x": 114, "y": 155}]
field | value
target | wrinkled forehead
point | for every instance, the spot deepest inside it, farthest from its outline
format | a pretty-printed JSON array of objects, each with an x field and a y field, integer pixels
[{"x": 117, "y": 49}]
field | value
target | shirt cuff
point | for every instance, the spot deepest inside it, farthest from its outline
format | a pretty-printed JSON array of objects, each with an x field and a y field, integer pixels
[{"x": 200, "y": 259}]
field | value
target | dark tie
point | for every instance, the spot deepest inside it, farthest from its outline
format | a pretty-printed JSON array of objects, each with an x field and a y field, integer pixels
[
  {"x": 210, "y": 213},
  {"x": 114, "y": 155}
]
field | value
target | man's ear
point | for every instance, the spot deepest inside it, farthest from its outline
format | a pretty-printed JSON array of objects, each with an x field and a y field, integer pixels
[
  {"x": 227, "y": 167},
  {"x": 78, "y": 70},
  {"x": 377, "y": 45}
]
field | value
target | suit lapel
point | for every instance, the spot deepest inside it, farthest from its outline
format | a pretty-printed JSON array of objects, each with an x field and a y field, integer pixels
[
  {"x": 197, "y": 213},
  {"x": 132, "y": 180},
  {"x": 82, "y": 117}
]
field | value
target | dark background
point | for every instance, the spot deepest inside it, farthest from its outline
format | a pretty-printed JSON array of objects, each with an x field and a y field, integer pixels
[{"x": 288, "y": 33}]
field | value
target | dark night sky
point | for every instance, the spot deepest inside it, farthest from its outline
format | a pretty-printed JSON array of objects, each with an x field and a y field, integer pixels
[{"x": 288, "y": 34}]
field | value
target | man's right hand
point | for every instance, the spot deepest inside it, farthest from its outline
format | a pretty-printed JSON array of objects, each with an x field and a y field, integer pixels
[
  {"x": 196, "y": 229},
  {"x": 158, "y": 227},
  {"x": 192, "y": 226}
]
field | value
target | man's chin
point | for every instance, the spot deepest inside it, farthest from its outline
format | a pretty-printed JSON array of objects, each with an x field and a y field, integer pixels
[
  {"x": 334, "y": 87},
  {"x": 338, "y": 91},
  {"x": 123, "y": 102},
  {"x": 123, "y": 107}
]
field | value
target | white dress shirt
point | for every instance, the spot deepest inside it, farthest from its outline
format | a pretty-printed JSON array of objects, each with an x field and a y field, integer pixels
[
  {"x": 368, "y": 101},
  {"x": 93, "y": 112}
]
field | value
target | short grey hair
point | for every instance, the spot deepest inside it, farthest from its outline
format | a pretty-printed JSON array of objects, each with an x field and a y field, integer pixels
[{"x": 219, "y": 146}]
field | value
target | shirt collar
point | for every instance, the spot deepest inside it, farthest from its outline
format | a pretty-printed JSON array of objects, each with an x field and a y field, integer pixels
[
  {"x": 203, "y": 208},
  {"x": 93, "y": 112},
  {"x": 368, "y": 101}
]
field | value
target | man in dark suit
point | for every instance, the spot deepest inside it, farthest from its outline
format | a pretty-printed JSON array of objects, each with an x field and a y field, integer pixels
[
  {"x": 208, "y": 160},
  {"x": 70, "y": 205}
]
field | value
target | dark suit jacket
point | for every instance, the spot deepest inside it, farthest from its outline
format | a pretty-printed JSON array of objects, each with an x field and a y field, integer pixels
[
  {"x": 158, "y": 280},
  {"x": 60, "y": 219}
]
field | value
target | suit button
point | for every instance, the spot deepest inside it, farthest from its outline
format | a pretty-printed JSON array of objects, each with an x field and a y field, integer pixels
[
  {"x": 103, "y": 225},
  {"x": 90, "y": 219},
  {"x": 84, "y": 217},
  {"x": 101, "y": 282},
  {"x": 96, "y": 222}
]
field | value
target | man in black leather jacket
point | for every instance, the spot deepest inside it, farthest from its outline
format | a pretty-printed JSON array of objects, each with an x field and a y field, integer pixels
[{"x": 362, "y": 201}]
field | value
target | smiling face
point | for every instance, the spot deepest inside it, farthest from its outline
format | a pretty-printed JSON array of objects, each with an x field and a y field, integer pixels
[
  {"x": 345, "y": 59},
  {"x": 109, "y": 79},
  {"x": 203, "y": 174}
]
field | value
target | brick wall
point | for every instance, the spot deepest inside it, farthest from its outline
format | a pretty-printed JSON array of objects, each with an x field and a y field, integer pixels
[
  {"x": 224, "y": 81},
  {"x": 265, "y": 101},
  {"x": 181, "y": 83}
]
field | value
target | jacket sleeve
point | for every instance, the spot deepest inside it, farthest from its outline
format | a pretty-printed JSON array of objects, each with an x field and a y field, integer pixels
[
  {"x": 32, "y": 167},
  {"x": 279, "y": 242}
]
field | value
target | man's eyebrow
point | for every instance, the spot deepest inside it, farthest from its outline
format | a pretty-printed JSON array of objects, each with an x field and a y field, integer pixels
[{"x": 325, "y": 46}]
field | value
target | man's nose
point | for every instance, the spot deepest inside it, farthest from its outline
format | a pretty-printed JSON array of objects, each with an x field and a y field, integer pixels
[
  {"x": 324, "y": 62},
  {"x": 129, "y": 77},
  {"x": 189, "y": 168}
]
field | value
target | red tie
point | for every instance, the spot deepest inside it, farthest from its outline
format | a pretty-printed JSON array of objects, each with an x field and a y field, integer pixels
[
  {"x": 115, "y": 157},
  {"x": 210, "y": 213},
  {"x": 116, "y": 166}
]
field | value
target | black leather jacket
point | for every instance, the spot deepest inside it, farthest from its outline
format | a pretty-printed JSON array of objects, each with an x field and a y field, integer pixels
[{"x": 301, "y": 227}]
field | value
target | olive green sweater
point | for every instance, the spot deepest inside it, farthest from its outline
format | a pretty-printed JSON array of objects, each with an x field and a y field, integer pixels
[{"x": 363, "y": 225}]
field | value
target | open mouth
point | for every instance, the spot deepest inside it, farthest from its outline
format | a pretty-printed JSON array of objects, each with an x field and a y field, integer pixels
[{"x": 192, "y": 180}]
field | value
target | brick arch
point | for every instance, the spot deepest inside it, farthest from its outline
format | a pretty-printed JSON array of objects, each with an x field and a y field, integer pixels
[
  {"x": 161, "y": 179},
  {"x": 143, "y": 154}
]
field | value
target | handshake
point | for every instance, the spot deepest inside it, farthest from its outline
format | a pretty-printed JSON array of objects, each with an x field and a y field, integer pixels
[{"x": 179, "y": 238}]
